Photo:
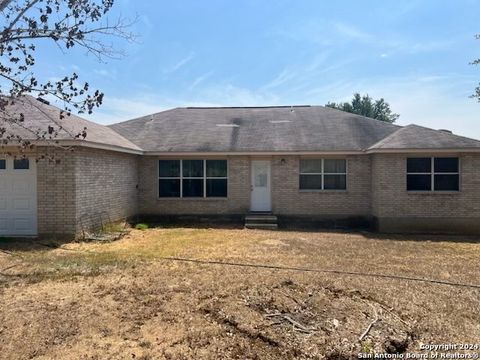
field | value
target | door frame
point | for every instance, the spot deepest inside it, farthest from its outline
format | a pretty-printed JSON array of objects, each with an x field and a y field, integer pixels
[
  {"x": 269, "y": 184},
  {"x": 32, "y": 171}
]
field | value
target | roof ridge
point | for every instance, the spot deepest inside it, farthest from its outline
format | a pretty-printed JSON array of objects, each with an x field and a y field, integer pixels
[
  {"x": 441, "y": 131},
  {"x": 248, "y": 107},
  {"x": 39, "y": 105},
  {"x": 142, "y": 117},
  {"x": 33, "y": 101},
  {"x": 373, "y": 146},
  {"x": 362, "y": 116},
  {"x": 447, "y": 135}
]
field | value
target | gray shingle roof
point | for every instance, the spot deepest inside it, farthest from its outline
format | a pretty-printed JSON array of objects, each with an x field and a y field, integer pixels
[
  {"x": 39, "y": 115},
  {"x": 242, "y": 129},
  {"x": 419, "y": 137},
  {"x": 259, "y": 129}
]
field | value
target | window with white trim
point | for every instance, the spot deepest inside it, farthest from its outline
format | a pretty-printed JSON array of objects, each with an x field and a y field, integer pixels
[
  {"x": 3, "y": 164},
  {"x": 192, "y": 178},
  {"x": 323, "y": 174},
  {"x": 433, "y": 174},
  {"x": 21, "y": 164}
]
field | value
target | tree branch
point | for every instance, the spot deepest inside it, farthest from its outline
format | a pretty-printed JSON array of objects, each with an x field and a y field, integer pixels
[
  {"x": 4, "y": 4},
  {"x": 66, "y": 23},
  {"x": 27, "y": 7}
]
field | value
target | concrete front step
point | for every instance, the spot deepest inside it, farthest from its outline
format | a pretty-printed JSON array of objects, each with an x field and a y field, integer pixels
[
  {"x": 264, "y": 226},
  {"x": 262, "y": 218}
]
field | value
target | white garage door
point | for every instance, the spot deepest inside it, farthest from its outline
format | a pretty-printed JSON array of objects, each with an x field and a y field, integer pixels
[{"x": 18, "y": 197}]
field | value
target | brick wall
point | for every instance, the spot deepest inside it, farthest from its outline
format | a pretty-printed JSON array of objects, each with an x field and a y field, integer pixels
[
  {"x": 237, "y": 202},
  {"x": 288, "y": 200},
  {"x": 105, "y": 186},
  {"x": 56, "y": 192},
  {"x": 399, "y": 210},
  {"x": 390, "y": 198},
  {"x": 80, "y": 188},
  {"x": 83, "y": 188},
  {"x": 286, "y": 197}
]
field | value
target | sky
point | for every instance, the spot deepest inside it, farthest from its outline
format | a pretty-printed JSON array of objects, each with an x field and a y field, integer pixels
[{"x": 414, "y": 54}]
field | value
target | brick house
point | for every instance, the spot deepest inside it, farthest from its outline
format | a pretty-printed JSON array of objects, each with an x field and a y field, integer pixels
[{"x": 300, "y": 163}]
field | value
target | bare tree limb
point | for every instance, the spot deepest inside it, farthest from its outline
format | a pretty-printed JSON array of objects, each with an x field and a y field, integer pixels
[
  {"x": 4, "y": 4},
  {"x": 29, "y": 23}
]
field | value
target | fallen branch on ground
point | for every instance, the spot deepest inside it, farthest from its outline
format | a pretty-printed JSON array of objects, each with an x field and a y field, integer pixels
[
  {"x": 390, "y": 311},
  {"x": 296, "y": 324},
  {"x": 7, "y": 268},
  {"x": 369, "y": 327},
  {"x": 9, "y": 253}
]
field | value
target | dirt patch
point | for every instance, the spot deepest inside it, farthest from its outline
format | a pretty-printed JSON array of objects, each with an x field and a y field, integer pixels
[
  {"x": 122, "y": 301},
  {"x": 273, "y": 242}
]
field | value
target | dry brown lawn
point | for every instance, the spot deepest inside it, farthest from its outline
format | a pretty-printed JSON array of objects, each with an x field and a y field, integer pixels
[{"x": 123, "y": 300}]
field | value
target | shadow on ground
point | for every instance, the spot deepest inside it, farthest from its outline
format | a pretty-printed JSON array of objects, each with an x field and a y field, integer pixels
[
  {"x": 43, "y": 244},
  {"x": 30, "y": 244}
]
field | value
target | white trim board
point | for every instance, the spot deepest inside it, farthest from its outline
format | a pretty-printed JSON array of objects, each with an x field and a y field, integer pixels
[{"x": 95, "y": 145}]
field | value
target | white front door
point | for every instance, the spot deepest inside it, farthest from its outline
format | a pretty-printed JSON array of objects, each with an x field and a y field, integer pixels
[
  {"x": 260, "y": 195},
  {"x": 18, "y": 197}
]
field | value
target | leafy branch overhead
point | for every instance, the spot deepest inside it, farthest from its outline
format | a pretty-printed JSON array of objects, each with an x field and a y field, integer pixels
[
  {"x": 27, "y": 24},
  {"x": 477, "y": 62},
  {"x": 366, "y": 106}
]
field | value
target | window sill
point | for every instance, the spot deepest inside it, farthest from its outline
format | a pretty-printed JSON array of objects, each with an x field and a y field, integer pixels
[
  {"x": 323, "y": 191},
  {"x": 413, "y": 192},
  {"x": 192, "y": 198}
]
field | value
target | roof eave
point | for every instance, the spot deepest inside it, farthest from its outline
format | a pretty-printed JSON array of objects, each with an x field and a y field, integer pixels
[
  {"x": 250, "y": 153},
  {"x": 84, "y": 143},
  {"x": 424, "y": 150}
]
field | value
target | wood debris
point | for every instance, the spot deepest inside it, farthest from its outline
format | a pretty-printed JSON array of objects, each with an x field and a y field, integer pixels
[
  {"x": 369, "y": 327},
  {"x": 296, "y": 325}
]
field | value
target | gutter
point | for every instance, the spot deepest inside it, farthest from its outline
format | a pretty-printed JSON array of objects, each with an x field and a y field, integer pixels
[
  {"x": 117, "y": 148},
  {"x": 443, "y": 150},
  {"x": 88, "y": 144},
  {"x": 251, "y": 153}
]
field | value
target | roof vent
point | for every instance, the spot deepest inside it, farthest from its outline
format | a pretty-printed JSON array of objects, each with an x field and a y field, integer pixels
[
  {"x": 446, "y": 130},
  {"x": 43, "y": 101},
  {"x": 228, "y": 125}
]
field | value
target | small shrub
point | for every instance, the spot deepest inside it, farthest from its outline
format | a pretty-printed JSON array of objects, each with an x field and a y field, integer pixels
[
  {"x": 141, "y": 226},
  {"x": 366, "y": 347},
  {"x": 113, "y": 227}
]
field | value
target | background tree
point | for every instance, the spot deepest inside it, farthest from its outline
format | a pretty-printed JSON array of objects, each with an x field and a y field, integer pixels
[
  {"x": 68, "y": 24},
  {"x": 366, "y": 106},
  {"x": 477, "y": 62}
]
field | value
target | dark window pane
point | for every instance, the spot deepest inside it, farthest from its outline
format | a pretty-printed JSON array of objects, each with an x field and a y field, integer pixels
[
  {"x": 310, "y": 182},
  {"x": 169, "y": 188},
  {"x": 216, "y": 168},
  {"x": 419, "y": 165},
  {"x": 21, "y": 164},
  {"x": 335, "y": 166},
  {"x": 3, "y": 164},
  {"x": 169, "y": 168},
  {"x": 419, "y": 182},
  {"x": 446, "y": 164},
  {"x": 192, "y": 168},
  {"x": 192, "y": 187},
  {"x": 335, "y": 182},
  {"x": 311, "y": 166},
  {"x": 216, "y": 187},
  {"x": 446, "y": 182}
]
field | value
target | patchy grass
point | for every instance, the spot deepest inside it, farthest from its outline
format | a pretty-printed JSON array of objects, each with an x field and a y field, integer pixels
[
  {"x": 113, "y": 227},
  {"x": 141, "y": 226},
  {"x": 123, "y": 300}
]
